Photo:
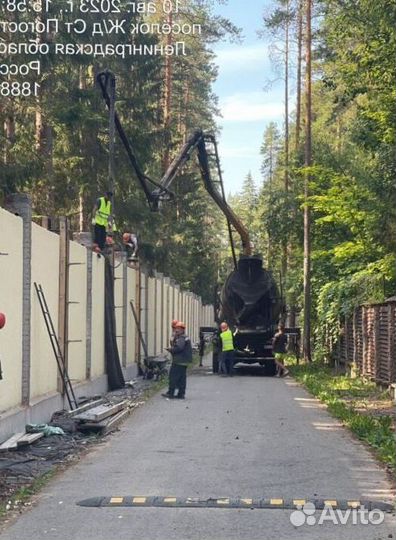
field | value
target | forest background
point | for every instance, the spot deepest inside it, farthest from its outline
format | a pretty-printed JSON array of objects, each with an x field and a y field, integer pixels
[{"x": 338, "y": 59}]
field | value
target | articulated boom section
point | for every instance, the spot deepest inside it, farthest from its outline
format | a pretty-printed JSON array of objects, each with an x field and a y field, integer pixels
[{"x": 206, "y": 147}]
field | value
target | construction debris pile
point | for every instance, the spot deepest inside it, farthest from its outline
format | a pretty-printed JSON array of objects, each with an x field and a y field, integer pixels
[
  {"x": 101, "y": 416},
  {"x": 24, "y": 457}
]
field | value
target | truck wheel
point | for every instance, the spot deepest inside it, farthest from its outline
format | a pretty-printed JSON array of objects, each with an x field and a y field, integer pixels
[{"x": 215, "y": 363}]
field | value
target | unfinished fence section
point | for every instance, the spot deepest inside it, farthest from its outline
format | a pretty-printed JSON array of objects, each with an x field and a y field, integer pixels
[
  {"x": 73, "y": 280},
  {"x": 368, "y": 340}
]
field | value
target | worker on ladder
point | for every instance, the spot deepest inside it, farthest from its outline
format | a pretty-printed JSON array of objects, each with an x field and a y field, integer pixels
[{"x": 102, "y": 220}]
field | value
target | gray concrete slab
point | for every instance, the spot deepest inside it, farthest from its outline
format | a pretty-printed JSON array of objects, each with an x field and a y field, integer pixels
[{"x": 241, "y": 437}]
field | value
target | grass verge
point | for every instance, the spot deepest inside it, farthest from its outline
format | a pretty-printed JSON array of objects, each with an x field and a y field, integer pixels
[{"x": 361, "y": 405}]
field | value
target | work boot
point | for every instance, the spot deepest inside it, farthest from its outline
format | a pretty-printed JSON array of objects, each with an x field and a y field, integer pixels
[
  {"x": 180, "y": 396},
  {"x": 168, "y": 396}
]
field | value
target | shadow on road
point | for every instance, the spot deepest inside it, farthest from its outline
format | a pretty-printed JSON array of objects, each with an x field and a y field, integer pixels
[{"x": 240, "y": 370}]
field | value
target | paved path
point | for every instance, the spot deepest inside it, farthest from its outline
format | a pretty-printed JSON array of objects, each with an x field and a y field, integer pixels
[{"x": 245, "y": 437}]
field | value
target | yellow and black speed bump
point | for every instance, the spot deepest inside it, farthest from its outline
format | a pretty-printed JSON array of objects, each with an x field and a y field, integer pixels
[{"x": 225, "y": 502}]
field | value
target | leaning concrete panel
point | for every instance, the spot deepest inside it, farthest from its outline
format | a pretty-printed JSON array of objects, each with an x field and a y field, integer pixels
[
  {"x": 45, "y": 271},
  {"x": 98, "y": 321},
  {"x": 151, "y": 284},
  {"x": 11, "y": 305},
  {"x": 131, "y": 324},
  {"x": 77, "y": 312}
]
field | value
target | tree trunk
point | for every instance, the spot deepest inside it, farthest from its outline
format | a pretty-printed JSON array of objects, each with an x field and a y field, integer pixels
[
  {"x": 44, "y": 133},
  {"x": 307, "y": 212},
  {"x": 287, "y": 101},
  {"x": 168, "y": 97},
  {"x": 9, "y": 133},
  {"x": 186, "y": 108},
  {"x": 299, "y": 65},
  {"x": 286, "y": 172},
  {"x": 293, "y": 310}
]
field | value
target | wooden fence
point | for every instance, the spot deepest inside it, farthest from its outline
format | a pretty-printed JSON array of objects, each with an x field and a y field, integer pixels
[{"x": 368, "y": 339}]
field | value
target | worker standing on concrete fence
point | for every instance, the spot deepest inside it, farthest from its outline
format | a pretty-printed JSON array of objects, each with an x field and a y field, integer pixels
[
  {"x": 181, "y": 358},
  {"x": 102, "y": 220},
  {"x": 2, "y": 325}
]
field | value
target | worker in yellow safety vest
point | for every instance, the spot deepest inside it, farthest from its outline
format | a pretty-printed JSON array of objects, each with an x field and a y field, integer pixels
[
  {"x": 228, "y": 350},
  {"x": 102, "y": 220}
]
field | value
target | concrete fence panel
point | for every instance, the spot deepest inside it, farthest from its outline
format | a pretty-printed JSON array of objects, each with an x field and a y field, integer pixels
[
  {"x": 98, "y": 319},
  {"x": 29, "y": 254},
  {"x": 11, "y": 304},
  {"x": 166, "y": 321},
  {"x": 159, "y": 314},
  {"x": 119, "y": 306},
  {"x": 77, "y": 319},
  {"x": 151, "y": 306},
  {"x": 144, "y": 310},
  {"x": 45, "y": 271},
  {"x": 131, "y": 324}
]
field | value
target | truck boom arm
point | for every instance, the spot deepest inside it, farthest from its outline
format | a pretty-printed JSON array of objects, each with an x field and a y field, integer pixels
[{"x": 198, "y": 141}]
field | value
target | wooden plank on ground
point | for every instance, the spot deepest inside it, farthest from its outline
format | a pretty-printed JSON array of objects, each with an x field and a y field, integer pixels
[
  {"x": 116, "y": 420},
  {"x": 86, "y": 407},
  {"x": 101, "y": 412},
  {"x": 110, "y": 423},
  {"x": 11, "y": 443},
  {"x": 29, "y": 438}
]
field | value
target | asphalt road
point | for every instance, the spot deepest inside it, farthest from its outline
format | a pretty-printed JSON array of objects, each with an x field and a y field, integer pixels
[{"x": 245, "y": 437}]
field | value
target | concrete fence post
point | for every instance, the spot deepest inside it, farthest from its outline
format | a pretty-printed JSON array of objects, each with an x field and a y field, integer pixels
[
  {"x": 63, "y": 304},
  {"x": 20, "y": 204}
]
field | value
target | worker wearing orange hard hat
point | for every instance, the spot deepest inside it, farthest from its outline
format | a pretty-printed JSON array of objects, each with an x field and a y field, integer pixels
[{"x": 181, "y": 358}]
